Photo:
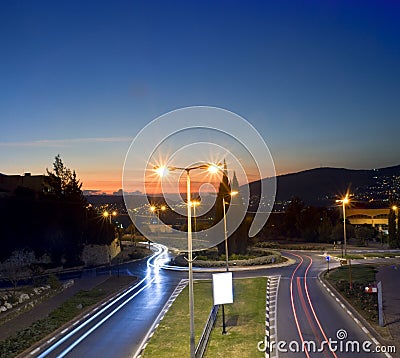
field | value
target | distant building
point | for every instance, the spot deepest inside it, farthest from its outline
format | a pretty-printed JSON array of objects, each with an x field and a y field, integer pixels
[
  {"x": 373, "y": 217},
  {"x": 8, "y": 183}
]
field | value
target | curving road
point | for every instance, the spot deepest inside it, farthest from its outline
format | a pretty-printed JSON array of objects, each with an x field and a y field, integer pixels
[
  {"x": 118, "y": 328},
  {"x": 307, "y": 315},
  {"x": 310, "y": 317}
]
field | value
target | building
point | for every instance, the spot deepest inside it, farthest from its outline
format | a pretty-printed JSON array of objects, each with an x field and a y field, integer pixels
[
  {"x": 8, "y": 183},
  {"x": 374, "y": 217}
]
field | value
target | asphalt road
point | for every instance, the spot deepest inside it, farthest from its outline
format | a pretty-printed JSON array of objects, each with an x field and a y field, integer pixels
[
  {"x": 118, "y": 328},
  {"x": 308, "y": 315},
  {"x": 306, "y": 312}
]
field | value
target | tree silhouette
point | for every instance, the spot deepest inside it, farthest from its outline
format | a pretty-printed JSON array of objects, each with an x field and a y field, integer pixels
[
  {"x": 223, "y": 192},
  {"x": 393, "y": 243}
]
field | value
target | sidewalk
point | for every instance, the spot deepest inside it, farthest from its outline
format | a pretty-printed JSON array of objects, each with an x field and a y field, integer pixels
[
  {"x": 390, "y": 278},
  {"x": 44, "y": 308}
]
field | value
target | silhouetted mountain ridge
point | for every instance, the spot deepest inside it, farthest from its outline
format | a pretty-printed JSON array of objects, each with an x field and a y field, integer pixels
[{"x": 319, "y": 186}]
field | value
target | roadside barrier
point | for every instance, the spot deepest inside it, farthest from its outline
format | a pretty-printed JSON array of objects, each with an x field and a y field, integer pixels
[{"x": 202, "y": 345}]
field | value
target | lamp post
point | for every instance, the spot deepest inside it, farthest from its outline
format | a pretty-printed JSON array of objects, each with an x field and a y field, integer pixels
[
  {"x": 155, "y": 209},
  {"x": 195, "y": 203},
  {"x": 108, "y": 215},
  {"x": 163, "y": 171},
  {"x": 395, "y": 208},
  {"x": 344, "y": 201},
  {"x": 232, "y": 193}
]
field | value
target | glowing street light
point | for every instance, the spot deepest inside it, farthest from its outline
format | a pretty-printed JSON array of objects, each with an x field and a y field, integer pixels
[
  {"x": 155, "y": 209},
  {"x": 163, "y": 171},
  {"x": 108, "y": 215},
  {"x": 344, "y": 201},
  {"x": 395, "y": 208}
]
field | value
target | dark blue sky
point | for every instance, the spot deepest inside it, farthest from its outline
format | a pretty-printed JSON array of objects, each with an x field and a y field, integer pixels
[{"x": 320, "y": 80}]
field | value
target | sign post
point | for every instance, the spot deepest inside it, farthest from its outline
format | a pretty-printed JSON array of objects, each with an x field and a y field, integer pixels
[
  {"x": 380, "y": 304},
  {"x": 328, "y": 258},
  {"x": 222, "y": 292}
]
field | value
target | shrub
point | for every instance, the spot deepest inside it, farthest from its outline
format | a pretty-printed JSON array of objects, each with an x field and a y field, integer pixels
[{"x": 54, "y": 282}]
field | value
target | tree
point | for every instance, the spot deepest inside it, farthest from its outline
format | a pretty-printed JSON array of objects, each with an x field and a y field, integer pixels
[
  {"x": 223, "y": 193},
  {"x": 364, "y": 233},
  {"x": 325, "y": 228},
  {"x": 337, "y": 232},
  {"x": 17, "y": 267},
  {"x": 63, "y": 183},
  {"x": 392, "y": 229},
  {"x": 132, "y": 231},
  {"x": 58, "y": 179},
  {"x": 292, "y": 217},
  {"x": 73, "y": 190},
  {"x": 57, "y": 223}
]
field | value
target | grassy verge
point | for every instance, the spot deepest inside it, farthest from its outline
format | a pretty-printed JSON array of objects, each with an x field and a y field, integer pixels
[
  {"x": 245, "y": 323},
  {"x": 71, "y": 308},
  {"x": 171, "y": 339},
  {"x": 369, "y": 255},
  {"x": 362, "y": 275}
]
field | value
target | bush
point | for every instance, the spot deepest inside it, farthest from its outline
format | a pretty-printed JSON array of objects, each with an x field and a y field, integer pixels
[
  {"x": 235, "y": 260},
  {"x": 54, "y": 282}
]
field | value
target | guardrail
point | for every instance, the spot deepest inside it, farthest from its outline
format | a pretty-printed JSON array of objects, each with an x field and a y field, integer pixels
[{"x": 202, "y": 345}]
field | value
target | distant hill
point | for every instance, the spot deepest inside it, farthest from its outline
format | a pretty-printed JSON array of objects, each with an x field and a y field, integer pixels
[{"x": 321, "y": 185}]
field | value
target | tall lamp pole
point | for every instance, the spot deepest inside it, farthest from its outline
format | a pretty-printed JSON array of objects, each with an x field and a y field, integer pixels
[
  {"x": 195, "y": 203},
  {"x": 162, "y": 171},
  {"x": 154, "y": 209},
  {"x": 396, "y": 220},
  {"x": 344, "y": 201}
]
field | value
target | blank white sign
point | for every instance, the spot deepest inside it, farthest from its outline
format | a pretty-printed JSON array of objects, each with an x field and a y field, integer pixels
[{"x": 222, "y": 288}]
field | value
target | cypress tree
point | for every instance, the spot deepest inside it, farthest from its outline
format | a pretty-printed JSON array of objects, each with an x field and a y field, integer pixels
[
  {"x": 223, "y": 192},
  {"x": 392, "y": 229}
]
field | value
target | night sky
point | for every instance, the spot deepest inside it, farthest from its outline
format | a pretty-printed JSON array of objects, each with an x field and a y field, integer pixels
[{"x": 319, "y": 80}]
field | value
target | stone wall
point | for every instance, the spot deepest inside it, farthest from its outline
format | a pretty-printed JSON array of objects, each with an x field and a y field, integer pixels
[{"x": 100, "y": 254}]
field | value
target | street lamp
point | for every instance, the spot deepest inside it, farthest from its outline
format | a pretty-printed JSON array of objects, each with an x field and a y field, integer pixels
[
  {"x": 155, "y": 209},
  {"x": 396, "y": 220},
  {"x": 163, "y": 171},
  {"x": 108, "y": 215},
  {"x": 344, "y": 201},
  {"x": 232, "y": 193},
  {"x": 395, "y": 208}
]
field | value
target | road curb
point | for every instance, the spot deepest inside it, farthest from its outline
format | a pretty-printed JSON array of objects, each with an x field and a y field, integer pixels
[{"x": 353, "y": 313}]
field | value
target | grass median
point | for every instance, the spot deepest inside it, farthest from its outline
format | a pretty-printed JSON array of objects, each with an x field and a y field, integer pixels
[
  {"x": 361, "y": 276},
  {"x": 245, "y": 320}
]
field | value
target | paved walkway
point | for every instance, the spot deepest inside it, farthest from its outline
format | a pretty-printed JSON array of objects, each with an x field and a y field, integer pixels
[
  {"x": 43, "y": 309},
  {"x": 390, "y": 278}
]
